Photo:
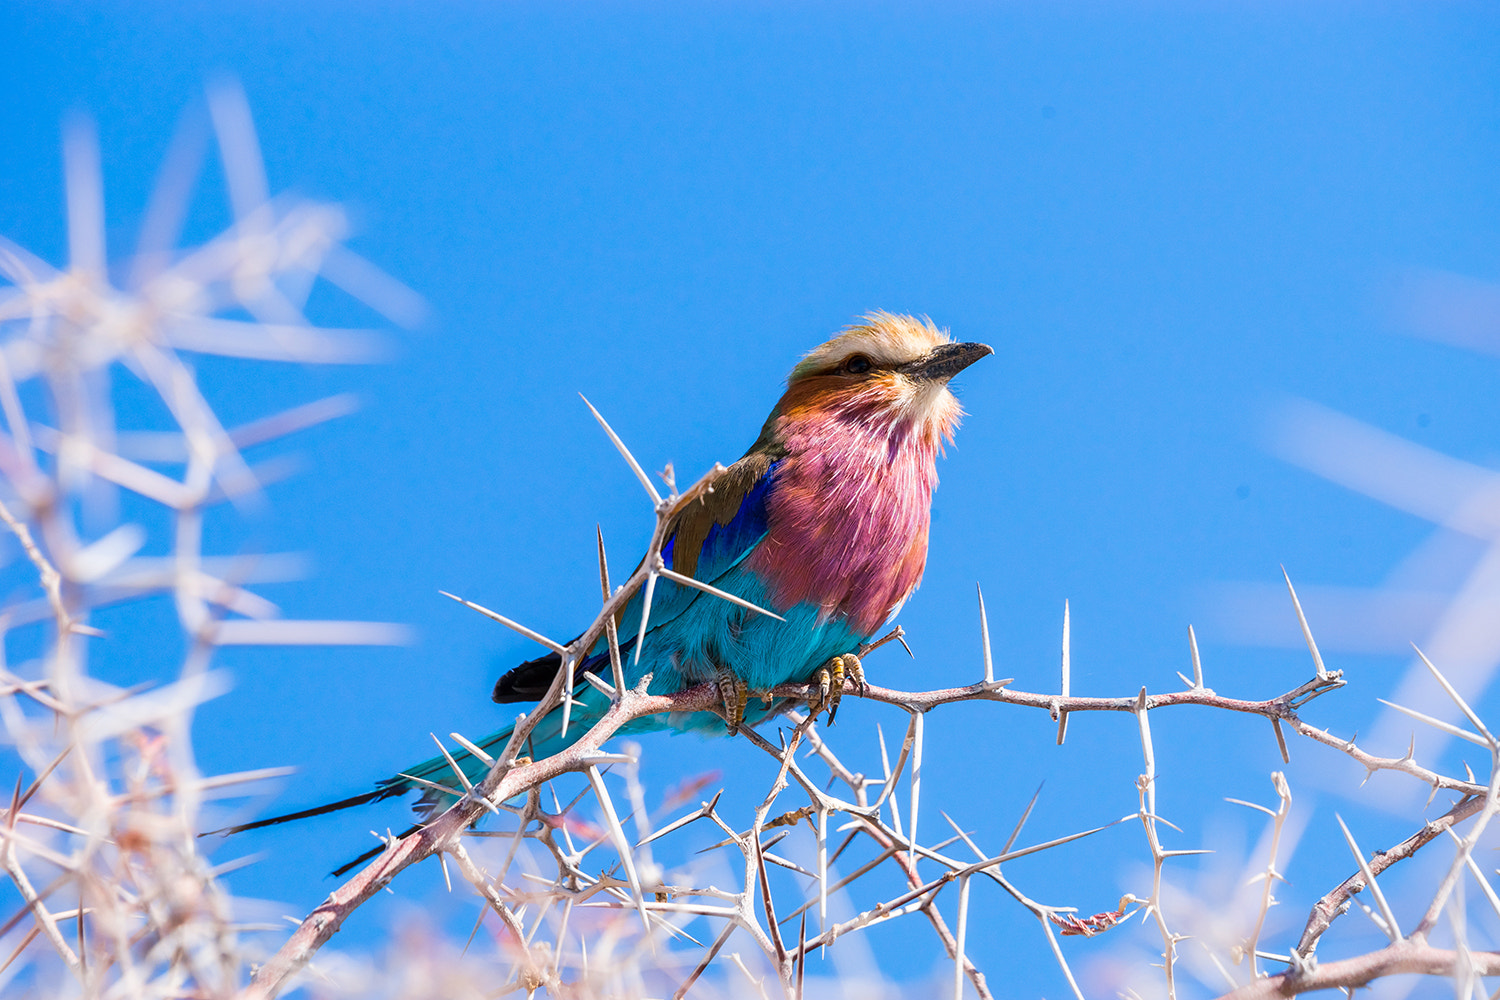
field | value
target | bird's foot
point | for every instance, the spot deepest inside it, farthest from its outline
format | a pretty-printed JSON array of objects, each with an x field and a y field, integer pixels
[
  {"x": 735, "y": 693},
  {"x": 828, "y": 688}
]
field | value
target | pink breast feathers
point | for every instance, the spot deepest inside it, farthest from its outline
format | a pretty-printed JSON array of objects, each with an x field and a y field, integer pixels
[{"x": 849, "y": 512}]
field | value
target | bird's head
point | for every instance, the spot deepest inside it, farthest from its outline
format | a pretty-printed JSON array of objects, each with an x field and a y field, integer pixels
[{"x": 887, "y": 369}]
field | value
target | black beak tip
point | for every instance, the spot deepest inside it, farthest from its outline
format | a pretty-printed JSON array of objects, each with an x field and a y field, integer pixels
[
  {"x": 950, "y": 360},
  {"x": 946, "y": 361}
]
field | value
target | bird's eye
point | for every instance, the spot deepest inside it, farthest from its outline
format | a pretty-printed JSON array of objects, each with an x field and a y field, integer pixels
[{"x": 857, "y": 365}]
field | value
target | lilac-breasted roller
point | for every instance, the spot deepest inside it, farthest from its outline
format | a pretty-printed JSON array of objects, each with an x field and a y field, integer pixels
[{"x": 824, "y": 520}]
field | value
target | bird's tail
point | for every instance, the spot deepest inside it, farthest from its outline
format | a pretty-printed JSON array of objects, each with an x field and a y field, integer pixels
[
  {"x": 423, "y": 777},
  {"x": 436, "y": 771},
  {"x": 435, "y": 777},
  {"x": 348, "y": 865},
  {"x": 355, "y": 800},
  {"x": 545, "y": 740}
]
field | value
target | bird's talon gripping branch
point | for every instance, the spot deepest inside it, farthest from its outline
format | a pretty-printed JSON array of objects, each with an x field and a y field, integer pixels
[
  {"x": 829, "y": 685},
  {"x": 856, "y": 673},
  {"x": 735, "y": 693}
]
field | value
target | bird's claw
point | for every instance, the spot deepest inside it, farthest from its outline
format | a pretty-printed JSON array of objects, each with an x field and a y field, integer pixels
[
  {"x": 735, "y": 693},
  {"x": 829, "y": 685}
]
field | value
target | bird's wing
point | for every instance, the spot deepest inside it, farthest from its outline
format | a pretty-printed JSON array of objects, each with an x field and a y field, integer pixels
[
  {"x": 708, "y": 537},
  {"x": 712, "y": 534}
]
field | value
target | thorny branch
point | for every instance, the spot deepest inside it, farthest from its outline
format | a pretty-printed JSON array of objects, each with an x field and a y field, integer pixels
[
  {"x": 512, "y": 776},
  {"x": 126, "y": 902},
  {"x": 508, "y": 778},
  {"x": 1401, "y": 957},
  {"x": 1336, "y": 901},
  {"x": 146, "y": 914}
]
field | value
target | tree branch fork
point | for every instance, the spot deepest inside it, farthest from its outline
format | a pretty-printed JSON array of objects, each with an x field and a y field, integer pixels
[{"x": 512, "y": 776}]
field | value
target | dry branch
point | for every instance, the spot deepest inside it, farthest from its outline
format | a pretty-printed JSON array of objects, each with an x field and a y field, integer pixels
[{"x": 1397, "y": 958}]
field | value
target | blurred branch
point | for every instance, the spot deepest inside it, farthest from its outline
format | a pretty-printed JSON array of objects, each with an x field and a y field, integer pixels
[
  {"x": 113, "y": 810},
  {"x": 1397, "y": 958}
]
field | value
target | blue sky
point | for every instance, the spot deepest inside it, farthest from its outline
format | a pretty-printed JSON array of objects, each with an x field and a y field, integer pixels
[{"x": 1169, "y": 220}]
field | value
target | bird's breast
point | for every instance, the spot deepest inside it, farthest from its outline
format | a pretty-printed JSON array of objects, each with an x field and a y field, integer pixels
[{"x": 847, "y": 516}]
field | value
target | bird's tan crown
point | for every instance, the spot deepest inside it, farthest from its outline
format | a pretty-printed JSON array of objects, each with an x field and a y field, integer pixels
[{"x": 885, "y": 338}]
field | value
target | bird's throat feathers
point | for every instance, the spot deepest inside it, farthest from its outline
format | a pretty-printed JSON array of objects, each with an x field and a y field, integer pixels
[
  {"x": 848, "y": 519},
  {"x": 891, "y": 406}
]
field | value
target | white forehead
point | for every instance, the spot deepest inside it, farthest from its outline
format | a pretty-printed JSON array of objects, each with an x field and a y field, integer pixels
[{"x": 884, "y": 338}]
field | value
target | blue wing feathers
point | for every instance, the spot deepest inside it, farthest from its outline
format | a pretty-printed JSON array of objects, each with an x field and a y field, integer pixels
[
  {"x": 727, "y": 544},
  {"x": 724, "y": 547}
]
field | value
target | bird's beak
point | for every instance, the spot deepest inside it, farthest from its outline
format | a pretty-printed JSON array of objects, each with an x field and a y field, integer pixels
[{"x": 942, "y": 363}]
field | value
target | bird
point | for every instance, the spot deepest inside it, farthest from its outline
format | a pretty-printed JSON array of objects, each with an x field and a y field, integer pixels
[{"x": 824, "y": 521}]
